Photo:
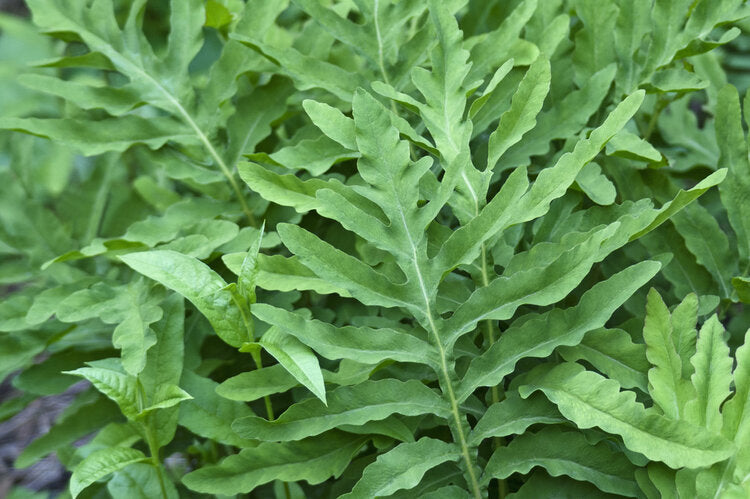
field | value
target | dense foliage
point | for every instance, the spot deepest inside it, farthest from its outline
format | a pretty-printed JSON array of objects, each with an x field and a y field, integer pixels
[{"x": 368, "y": 248}]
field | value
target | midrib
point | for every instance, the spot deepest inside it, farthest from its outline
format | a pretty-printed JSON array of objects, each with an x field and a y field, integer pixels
[{"x": 123, "y": 61}]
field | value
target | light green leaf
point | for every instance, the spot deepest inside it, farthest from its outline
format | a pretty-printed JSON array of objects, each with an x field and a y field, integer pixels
[
  {"x": 363, "y": 344},
  {"x": 253, "y": 385},
  {"x": 403, "y": 467},
  {"x": 613, "y": 352},
  {"x": 108, "y": 377},
  {"x": 248, "y": 274},
  {"x": 668, "y": 19},
  {"x": 494, "y": 48},
  {"x": 352, "y": 405},
  {"x": 464, "y": 243},
  {"x": 139, "y": 481},
  {"x": 589, "y": 400},
  {"x": 551, "y": 183},
  {"x": 596, "y": 185},
  {"x": 536, "y": 286},
  {"x": 390, "y": 427},
  {"x": 217, "y": 15},
  {"x": 331, "y": 122},
  {"x": 256, "y": 17},
  {"x": 698, "y": 226},
  {"x": 513, "y": 415},
  {"x": 684, "y": 332},
  {"x": 132, "y": 307},
  {"x": 595, "y": 42},
  {"x": 377, "y": 37},
  {"x": 314, "y": 459},
  {"x": 289, "y": 190},
  {"x": 737, "y": 410},
  {"x": 565, "y": 118},
  {"x": 342, "y": 270},
  {"x": 734, "y": 156},
  {"x": 276, "y": 272},
  {"x": 185, "y": 36},
  {"x": 307, "y": 72},
  {"x": 443, "y": 86},
  {"x": 667, "y": 387},
  {"x": 677, "y": 80},
  {"x": 540, "y": 335},
  {"x": 198, "y": 283},
  {"x": 107, "y": 135},
  {"x": 521, "y": 117},
  {"x": 116, "y": 101},
  {"x": 164, "y": 360},
  {"x": 633, "y": 24},
  {"x": 297, "y": 358},
  {"x": 629, "y": 145},
  {"x": 682, "y": 199},
  {"x": 167, "y": 396},
  {"x": 565, "y": 453},
  {"x": 314, "y": 155},
  {"x": 712, "y": 377},
  {"x": 100, "y": 464},
  {"x": 251, "y": 123},
  {"x": 499, "y": 75},
  {"x": 209, "y": 415}
]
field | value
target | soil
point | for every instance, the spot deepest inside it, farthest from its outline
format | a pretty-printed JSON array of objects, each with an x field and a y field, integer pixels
[{"x": 16, "y": 433}]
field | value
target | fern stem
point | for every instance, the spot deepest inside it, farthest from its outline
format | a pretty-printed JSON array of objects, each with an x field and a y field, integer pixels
[
  {"x": 660, "y": 105},
  {"x": 153, "y": 449},
  {"x": 447, "y": 386},
  {"x": 267, "y": 399},
  {"x": 100, "y": 202},
  {"x": 381, "y": 62},
  {"x": 502, "y": 486},
  {"x": 201, "y": 136},
  {"x": 219, "y": 161},
  {"x": 490, "y": 326},
  {"x": 447, "y": 389}
]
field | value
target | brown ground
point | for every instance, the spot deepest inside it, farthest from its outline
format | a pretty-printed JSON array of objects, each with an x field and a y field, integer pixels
[{"x": 17, "y": 432}]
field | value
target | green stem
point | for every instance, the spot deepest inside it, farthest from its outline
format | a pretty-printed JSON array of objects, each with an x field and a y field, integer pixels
[
  {"x": 97, "y": 209},
  {"x": 381, "y": 61},
  {"x": 459, "y": 429},
  {"x": 177, "y": 106},
  {"x": 269, "y": 408},
  {"x": 447, "y": 388},
  {"x": 502, "y": 485},
  {"x": 661, "y": 104},
  {"x": 490, "y": 326},
  {"x": 153, "y": 449},
  {"x": 267, "y": 399},
  {"x": 259, "y": 365},
  {"x": 119, "y": 60},
  {"x": 217, "y": 158}
]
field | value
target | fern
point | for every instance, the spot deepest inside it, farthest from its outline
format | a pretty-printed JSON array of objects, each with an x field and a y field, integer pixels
[
  {"x": 702, "y": 393},
  {"x": 402, "y": 228}
]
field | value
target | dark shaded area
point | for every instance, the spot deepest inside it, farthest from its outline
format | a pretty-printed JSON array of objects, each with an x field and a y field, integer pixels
[
  {"x": 15, "y": 7},
  {"x": 19, "y": 431}
]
